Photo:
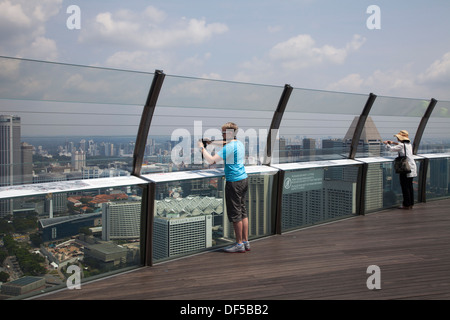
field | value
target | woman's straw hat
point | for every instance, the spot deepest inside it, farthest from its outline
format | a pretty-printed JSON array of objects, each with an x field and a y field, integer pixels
[{"x": 403, "y": 135}]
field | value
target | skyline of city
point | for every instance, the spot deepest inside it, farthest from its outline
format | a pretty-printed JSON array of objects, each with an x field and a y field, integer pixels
[
  {"x": 100, "y": 228},
  {"x": 95, "y": 158}
]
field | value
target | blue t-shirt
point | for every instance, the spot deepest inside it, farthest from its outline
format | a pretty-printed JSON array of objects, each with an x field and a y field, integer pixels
[{"x": 233, "y": 156}]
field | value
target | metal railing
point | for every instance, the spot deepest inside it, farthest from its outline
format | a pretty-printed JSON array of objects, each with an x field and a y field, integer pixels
[{"x": 100, "y": 171}]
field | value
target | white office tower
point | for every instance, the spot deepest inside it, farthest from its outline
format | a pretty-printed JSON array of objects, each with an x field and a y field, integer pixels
[
  {"x": 10, "y": 151},
  {"x": 10, "y": 158},
  {"x": 374, "y": 187},
  {"x": 309, "y": 197},
  {"x": 78, "y": 160},
  {"x": 258, "y": 208},
  {"x": 121, "y": 220},
  {"x": 181, "y": 235}
]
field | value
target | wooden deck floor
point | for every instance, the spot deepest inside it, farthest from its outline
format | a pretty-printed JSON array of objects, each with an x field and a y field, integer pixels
[{"x": 411, "y": 248}]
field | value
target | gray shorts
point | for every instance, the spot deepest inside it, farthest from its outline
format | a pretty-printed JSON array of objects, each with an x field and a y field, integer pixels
[{"x": 235, "y": 194}]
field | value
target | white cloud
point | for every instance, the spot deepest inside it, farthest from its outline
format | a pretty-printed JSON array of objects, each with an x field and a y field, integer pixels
[
  {"x": 148, "y": 30},
  {"x": 23, "y": 28},
  {"x": 139, "y": 60},
  {"x": 351, "y": 83},
  {"x": 283, "y": 61},
  {"x": 12, "y": 15},
  {"x": 438, "y": 72},
  {"x": 155, "y": 15},
  {"x": 301, "y": 52},
  {"x": 149, "y": 61},
  {"x": 401, "y": 82},
  {"x": 41, "y": 48}
]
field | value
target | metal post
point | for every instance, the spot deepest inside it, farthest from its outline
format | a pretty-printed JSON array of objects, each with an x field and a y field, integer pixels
[
  {"x": 278, "y": 212},
  {"x": 423, "y": 124},
  {"x": 424, "y": 167},
  {"x": 147, "y": 213},
  {"x": 146, "y": 119},
  {"x": 360, "y": 125},
  {"x": 361, "y": 192},
  {"x": 276, "y": 120}
]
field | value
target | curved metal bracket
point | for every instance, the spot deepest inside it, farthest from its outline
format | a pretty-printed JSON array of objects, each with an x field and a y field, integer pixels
[
  {"x": 360, "y": 125},
  {"x": 423, "y": 124},
  {"x": 146, "y": 119},
  {"x": 276, "y": 120}
]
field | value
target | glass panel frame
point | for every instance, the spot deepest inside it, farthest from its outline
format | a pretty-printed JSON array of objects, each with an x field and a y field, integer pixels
[
  {"x": 436, "y": 136},
  {"x": 193, "y": 203},
  {"x": 190, "y": 109},
  {"x": 317, "y": 125},
  {"x": 316, "y": 192},
  {"x": 438, "y": 177},
  {"x": 69, "y": 117},
  {"x": 70, "y": 236},
  {"x": 389, "y": 115}
]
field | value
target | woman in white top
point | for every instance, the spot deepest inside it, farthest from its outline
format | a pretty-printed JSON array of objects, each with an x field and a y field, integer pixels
[{"x": 406, "y": 179}]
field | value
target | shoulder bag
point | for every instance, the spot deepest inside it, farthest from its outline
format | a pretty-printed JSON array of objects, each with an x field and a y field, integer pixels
[{"x": 401, "y": 164}]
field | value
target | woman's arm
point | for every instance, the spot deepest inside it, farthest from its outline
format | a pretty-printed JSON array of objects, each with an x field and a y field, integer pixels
[{"x": 393, "y": 146}]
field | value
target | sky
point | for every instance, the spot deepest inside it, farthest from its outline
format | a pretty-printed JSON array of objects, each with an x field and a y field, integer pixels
[{"x": 401, "y": 50}]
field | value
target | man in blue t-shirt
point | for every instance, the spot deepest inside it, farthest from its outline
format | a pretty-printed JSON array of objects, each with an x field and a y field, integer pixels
[{"x": 232, "y": 155}]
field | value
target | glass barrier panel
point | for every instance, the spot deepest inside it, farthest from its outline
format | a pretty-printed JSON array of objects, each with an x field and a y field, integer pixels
[
  {"x": 317, "y": 195},
  {"x": 65, "y": 122},
  {"x": 436, "y": 136},
  {"x": 190, "y": 215},
  {"x": 438, "y": 179},
  {"x": 190, "y": 109},
  {"x": 388, "y": 116},
  {"x": 45, "y": 238},
  {"x": 318, "y": 125},
  {"x": 383, "y": 190}
]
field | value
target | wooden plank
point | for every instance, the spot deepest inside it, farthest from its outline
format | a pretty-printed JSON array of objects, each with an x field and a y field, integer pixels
[{"x": 412, "y": 249}]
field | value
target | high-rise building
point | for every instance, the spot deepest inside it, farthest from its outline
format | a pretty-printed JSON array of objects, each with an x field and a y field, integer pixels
[
  {"x": 309, "y": 147},
  {"x": 332, "y": 146},
  {"x": 332, "y": 200},
  {"x": 370, "y": 145},
  {"x": 181, "y": 235},
  {"x": 57, "y": 202},
  {"x": 121, "y": 220},
  {"x": 78, "y": 160},
  {"x": 10, "y": 151},
  {"x": 27, "y": 163},
  {"x": 370, "y": 140},
  {"x": 318, "y": 194},
  {"x": 258, "y": 208},
  {"x": 10, "y": 158}
]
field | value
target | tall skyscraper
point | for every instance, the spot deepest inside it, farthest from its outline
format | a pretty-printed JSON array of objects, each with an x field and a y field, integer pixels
[
  {"x": 78, "y": 160},
  {"x": 10, "y": 151},
  {"x": 370, "y": 140},
  {"x": 316, "y": 197},
  {"x": 10, "y": 158},
  {"x": 181, "y": 235},
  {"x": 27, "y": 163},
  {"x": 309, "y": 147},
  {"x": 370, "y": 145},
  {"x": 121, "y": 220},
  {"x": 258, "y": 208}
]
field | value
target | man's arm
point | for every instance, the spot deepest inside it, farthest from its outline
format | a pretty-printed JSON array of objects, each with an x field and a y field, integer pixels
[{"x": 207, "y": 156}]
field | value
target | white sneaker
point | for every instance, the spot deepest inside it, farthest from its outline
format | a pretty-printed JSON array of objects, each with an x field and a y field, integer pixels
[{"x": 235, "y": 248}]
